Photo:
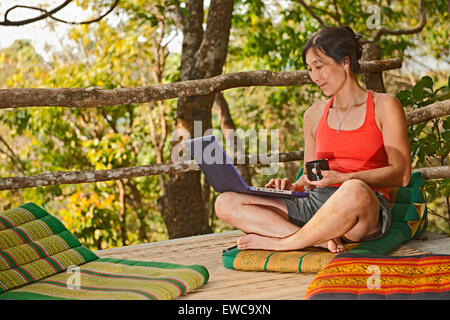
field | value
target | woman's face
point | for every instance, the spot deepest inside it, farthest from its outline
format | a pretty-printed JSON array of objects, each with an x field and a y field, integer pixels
[{"x": 325, "y": 72}]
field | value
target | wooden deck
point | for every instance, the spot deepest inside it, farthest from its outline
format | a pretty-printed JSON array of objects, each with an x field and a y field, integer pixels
[{"x": 226, "y": 284}]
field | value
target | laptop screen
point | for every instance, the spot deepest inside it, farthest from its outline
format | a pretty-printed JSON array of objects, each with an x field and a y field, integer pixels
[{"x": 215, "y": 164}]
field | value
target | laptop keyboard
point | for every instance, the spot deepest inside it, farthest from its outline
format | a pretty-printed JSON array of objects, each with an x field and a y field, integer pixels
[{"x": 272, "y": 190}]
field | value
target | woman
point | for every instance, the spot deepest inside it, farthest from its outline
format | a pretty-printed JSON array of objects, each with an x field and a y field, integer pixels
[{"x": 363, "y": 135}]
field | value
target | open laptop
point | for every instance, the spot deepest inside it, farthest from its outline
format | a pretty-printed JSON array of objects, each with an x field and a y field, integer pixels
[{"x": 220, "y": 172}]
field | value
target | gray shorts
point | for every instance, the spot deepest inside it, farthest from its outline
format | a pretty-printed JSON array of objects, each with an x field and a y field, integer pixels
[{"x": 301, "y": 210}]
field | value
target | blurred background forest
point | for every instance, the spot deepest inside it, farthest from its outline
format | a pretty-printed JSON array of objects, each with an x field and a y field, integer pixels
[{"x": 136, "y": 46}]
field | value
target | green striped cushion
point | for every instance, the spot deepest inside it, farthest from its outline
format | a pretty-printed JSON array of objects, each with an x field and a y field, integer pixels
[
  {"x": 35, "y": 245},
  {"x": 116, "y": 279},
  {"x": 39, "y": 258}
]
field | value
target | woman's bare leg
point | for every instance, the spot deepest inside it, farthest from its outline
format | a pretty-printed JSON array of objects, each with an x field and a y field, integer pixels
[
  {"x": 254, "y": 214},
  {"x": 263, "y": 216},
  {"x": 353, "y": 211}
]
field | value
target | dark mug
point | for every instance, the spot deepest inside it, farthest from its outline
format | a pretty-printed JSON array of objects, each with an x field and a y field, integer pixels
[{"x": 321, "y": 164}]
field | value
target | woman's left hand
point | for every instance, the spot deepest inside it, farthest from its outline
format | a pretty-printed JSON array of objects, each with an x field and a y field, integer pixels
[{"x": 329, "y": 178}]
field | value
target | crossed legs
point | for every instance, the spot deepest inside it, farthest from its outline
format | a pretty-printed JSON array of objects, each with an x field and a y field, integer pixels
[{"x": 352, "y": 211}]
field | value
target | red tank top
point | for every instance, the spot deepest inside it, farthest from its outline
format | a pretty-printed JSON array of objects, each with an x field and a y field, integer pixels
[{"x": 352, "y": 150}]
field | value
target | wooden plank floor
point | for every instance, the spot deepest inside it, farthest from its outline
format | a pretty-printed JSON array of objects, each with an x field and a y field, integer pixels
[{"x": 226, "y": 284}]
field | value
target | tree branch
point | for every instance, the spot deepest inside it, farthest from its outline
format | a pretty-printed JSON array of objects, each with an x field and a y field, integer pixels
[
  {"x": 72, "y": 177},
  {"x": 45, "y": 15},
  {"x": 49, "y": 14},
  {"x": 114, "y": 5},
  {"x": 97, "y": 97},
  {"x": 437, "y": 227},
  {"x": 338, "y": 14},
  {"x": 77, "y": 177},
  {"x": 312, "y": 13},
  {"x": 12, "y": 155},
  {"x": 430, "y": 211},
  {"x": 110, "y": 122},
  {"x": 432, "y": 111},
  {"x": 13, "y": 161},
  {"x": 178, "y": 16},
  {"x": 335, "y": 16},
  {"x": 432, "y": 173},
  {"x": 419, "y": 28}
]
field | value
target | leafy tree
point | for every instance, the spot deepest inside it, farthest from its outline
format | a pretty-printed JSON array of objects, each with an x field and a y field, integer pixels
[
  {"x": 132, "y": 51},
  {"x": 98, "y": 138},
  {"x": 430, "y": 146}
]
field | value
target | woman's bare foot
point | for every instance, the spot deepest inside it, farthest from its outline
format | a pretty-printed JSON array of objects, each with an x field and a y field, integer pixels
[
  {"x": 334, "y": 245},
  {"x": 255, "y": 241}
]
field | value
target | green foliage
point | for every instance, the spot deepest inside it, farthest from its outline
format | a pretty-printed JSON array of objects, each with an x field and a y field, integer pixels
[
  {"x": 430, "y": 143},
  {"x": 276, "y": 32},
  {"x": 92, "y": 217},
  {"x": 121, "y": 51},
  {"x": 52, "y": 139},
  {"x": 19, "y": 63}
]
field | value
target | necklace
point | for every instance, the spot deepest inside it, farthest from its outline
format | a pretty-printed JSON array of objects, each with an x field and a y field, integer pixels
[{"x": 345, "y": 115}]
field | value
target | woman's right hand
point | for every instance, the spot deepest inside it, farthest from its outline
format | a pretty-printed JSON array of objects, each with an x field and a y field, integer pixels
[
  {"x": 281, "y": 184},
  {"x": 285, "y": 184}
]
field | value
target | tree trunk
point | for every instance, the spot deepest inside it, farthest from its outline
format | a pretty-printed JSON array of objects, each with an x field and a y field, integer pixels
[
  {"x": 373, "y": 80},
  {"x": 227, "y": 123},
  {"x": 203, "y": 56}
]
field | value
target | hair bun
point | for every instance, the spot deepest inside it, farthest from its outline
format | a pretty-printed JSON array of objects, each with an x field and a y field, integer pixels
[
  {"x": 337, "y": 43},
  {"x": 348, "y": 29}
]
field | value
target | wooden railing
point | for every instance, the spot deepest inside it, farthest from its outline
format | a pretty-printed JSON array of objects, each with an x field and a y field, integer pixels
[
  {"x": 97, "y": 97},
  {"x": 435, "y": 110}
]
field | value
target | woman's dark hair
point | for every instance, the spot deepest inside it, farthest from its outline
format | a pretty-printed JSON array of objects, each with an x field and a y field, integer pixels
[{"x": 337, "y": 43}]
